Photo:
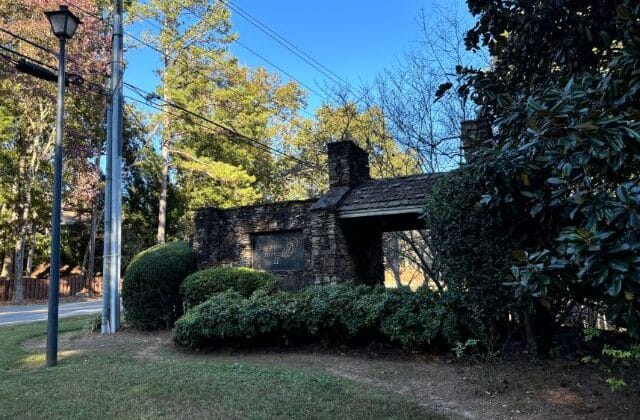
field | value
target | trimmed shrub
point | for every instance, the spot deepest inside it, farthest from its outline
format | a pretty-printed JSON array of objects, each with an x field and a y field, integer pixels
[
  {"x": 330, "y": 314},
  {"x": 151, "y": 284},
  {"x": 203, "y": 284}
]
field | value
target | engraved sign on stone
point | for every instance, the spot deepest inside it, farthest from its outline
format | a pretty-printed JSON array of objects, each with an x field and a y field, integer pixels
[{"x": 282, "y": 251}]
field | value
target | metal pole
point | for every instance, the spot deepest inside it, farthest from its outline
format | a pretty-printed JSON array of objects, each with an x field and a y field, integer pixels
[
  {"x": 116, "y": 164},
  {"x": 106, "y": 260},
  {"x": 54, "y": 276}
]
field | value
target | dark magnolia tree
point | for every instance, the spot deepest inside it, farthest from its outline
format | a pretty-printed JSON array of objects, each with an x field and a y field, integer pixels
[{"x": 562, "y": 93}]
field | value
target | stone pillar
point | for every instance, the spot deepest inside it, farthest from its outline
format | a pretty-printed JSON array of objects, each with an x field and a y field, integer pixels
[
  {"x": 473, "y": 134},
  {"x": 206, "y": 237},
  {"x": 348, "y": 164},
  {"x": 330, "y": 259}
]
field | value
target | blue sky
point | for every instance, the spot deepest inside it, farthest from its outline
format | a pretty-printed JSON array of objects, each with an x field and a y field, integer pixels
[{"x": 356, "y": 39}]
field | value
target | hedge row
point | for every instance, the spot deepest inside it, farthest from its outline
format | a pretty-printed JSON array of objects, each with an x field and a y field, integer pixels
[
  {"x": 339, "y": 314},
  {"x": 203, "y": 284}
]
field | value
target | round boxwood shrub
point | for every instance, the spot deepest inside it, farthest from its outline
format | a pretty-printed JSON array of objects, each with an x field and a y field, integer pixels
[
  {"x": 203, "y": 284},
  {"x": 150, "y": 288}
]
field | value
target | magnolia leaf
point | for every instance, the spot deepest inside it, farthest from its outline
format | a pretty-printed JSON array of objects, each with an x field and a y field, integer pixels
[
  {"x": 536, "y": 209},
  {"x": 569, "y": 86},
  {"x": 615, "y": 287},
  {"x": 619, "y": 265},
  {"x": 555, "y": 181}
]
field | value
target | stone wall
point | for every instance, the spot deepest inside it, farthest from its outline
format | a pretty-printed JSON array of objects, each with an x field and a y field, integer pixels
[{"x": 225, "y": 237}]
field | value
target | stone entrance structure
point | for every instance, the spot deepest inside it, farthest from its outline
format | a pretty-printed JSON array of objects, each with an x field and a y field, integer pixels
[{"x": 332, "y": 239}]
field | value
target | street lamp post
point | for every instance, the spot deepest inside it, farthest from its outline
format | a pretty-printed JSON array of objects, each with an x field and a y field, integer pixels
[{"x": 63, "y": 24}]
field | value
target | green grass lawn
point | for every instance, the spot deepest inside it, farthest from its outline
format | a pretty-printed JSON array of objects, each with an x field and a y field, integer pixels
[{"x": 99, "y": 384}]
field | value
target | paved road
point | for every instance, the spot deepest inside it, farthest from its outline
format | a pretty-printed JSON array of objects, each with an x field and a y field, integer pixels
[{"x": 22, "y": 314}]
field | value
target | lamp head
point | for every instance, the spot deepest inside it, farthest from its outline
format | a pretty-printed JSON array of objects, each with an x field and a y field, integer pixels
[{"x": 63, "y": 22}]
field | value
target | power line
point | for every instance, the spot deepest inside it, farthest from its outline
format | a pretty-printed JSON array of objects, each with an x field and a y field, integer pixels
[
  {"x": 9, "y": 58},
  {"x": 77, "y": 83},
  {"x": 28, "y": 58},
  {"x": 72, "y": 78},
  {"x": 85, "y": 11},
  {"x": 255, "y": 143},
  {"x": 262, "y": 57},
  {"x": 79, "y": 79},
  {"x": 148, "y": 102},
  {"x": 149, "y": 97},
  {"x": 28, "y": 41},
  {"x": 333, "y": 76},
  {"x": 40, "y": 47},
  {"x": 37, "y": 45},
  {"x": 153, "y": 47},
  {"x": 300, "y": 53},
  {"x": 195, "y": 70}
]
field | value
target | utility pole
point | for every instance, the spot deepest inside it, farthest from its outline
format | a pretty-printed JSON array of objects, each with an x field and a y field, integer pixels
[
  {"x": 113, "y": 184},
  {"x": 106, "y": 259}
]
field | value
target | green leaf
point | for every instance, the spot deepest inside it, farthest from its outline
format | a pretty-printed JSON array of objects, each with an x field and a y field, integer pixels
[
  {"x": 619, "y": 265},
  {"x": 536, "y": 209},
  {"x": 615, "y": 287},
  {"x": 555, "y": 181},
  {"x": 569, "y": 86}
]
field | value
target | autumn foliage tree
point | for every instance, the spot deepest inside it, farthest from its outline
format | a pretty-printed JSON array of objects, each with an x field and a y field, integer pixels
[{"x": 28, "y": 108}]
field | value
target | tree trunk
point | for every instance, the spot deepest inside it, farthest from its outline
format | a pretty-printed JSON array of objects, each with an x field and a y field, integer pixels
[
  {"x": 96, "y": 216},
  {"x": 26, "y": 174},
  {"x": 7, "y": 264},
  {"x": 24, "y": 208},
  {"x": 91, "y": 248},
  {"x": 164, "y": 175},
  {"x": 393, "y": 257},
  {"x": 31, "y": 251},
  {"x": 162, "y": 213},
  {"x": 19, "y": 251},
  {"x": 530, "y": 331}
]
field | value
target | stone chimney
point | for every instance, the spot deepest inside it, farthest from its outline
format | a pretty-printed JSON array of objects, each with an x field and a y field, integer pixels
[
  {"x": 348, "y": 164},
  {"x": 474, "y": 133}
]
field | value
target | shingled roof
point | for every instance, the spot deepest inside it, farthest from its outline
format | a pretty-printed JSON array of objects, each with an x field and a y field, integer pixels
[{"x": 387, "y": 196}]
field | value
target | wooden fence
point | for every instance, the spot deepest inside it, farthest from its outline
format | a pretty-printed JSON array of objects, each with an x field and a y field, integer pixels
[{"x": 38, "y": 289}]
